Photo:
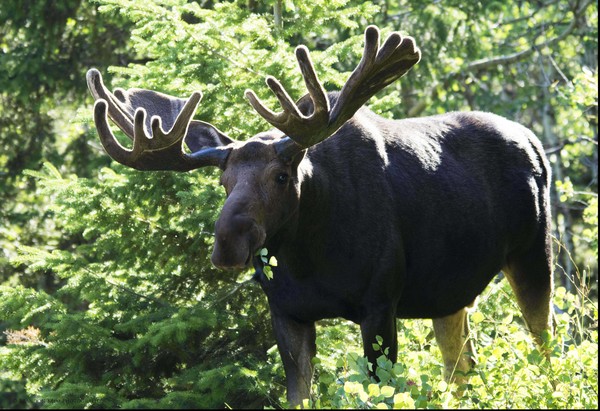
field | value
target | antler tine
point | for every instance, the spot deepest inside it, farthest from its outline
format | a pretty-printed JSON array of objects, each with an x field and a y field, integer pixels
[
  {"x": 107, "y": 138},
  {"x": 370, "y": 50},
  {"x": 366, "y": 63},
  {"x": 390, "y": 45},
  {"x": 276, "y": 119},
  {"x": 182, "y": 121},
  {"x": 141, "y": 141},
  {"x": 99, "y": 91},
  {"x": 313, "y": 85}
]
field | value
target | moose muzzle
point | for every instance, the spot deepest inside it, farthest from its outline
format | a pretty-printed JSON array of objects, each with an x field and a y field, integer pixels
[{"x": 237, "y": 238}]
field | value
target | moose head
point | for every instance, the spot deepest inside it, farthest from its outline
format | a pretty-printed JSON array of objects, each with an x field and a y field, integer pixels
[{"x": 262, "y": 175}]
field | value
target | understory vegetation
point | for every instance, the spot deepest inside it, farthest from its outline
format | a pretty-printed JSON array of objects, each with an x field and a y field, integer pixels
[
  {"x": 108, "y": 298},
  {"x": 511, "y": 371}
]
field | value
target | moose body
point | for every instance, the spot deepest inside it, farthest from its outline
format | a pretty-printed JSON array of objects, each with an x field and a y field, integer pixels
[
  {"x": 370, "y": 219},
  {"x": 416, "y": 214}
]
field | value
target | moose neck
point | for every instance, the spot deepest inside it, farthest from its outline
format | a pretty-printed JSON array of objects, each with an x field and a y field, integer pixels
[{"x": 304, "y": 229}]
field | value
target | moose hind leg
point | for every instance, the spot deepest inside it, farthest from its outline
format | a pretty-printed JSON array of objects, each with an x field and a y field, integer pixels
[
  {"x": 452, "y": 336},
  {"x": 529, "y": 274}
]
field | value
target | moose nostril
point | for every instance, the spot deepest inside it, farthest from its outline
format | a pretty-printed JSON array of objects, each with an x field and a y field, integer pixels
[
  {"x": 236, "y": 239},
  {"x": 225, "y": 257}
]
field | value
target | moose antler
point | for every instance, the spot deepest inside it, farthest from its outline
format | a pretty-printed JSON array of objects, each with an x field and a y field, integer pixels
[
  {"x": 142, "y": 114},
  {"x": 378, "y": 67}
]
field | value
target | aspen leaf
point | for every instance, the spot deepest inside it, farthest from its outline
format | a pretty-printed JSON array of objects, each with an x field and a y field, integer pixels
[
  {"x": 387, "y": 391},
  {"x": 477, "y": 317}
]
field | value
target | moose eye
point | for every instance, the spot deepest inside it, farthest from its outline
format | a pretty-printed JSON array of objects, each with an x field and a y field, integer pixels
[{"x": 282, "y": 178}]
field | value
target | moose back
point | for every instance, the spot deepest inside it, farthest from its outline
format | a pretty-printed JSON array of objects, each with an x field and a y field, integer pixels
[{"x": 370, "y": 219}]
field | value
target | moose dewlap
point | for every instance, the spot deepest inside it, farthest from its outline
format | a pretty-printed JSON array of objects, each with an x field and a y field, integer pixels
[{"x": 369, "y": 219}]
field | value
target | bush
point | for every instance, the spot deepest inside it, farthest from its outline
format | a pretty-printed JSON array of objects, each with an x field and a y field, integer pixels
[{"x": 134, "y": 322}]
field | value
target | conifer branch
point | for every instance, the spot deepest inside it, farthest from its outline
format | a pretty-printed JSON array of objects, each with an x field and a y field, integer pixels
[
  {"x": 214, "y": 52},
  {"x": 232, "y": 291},
  {"x": 129, "y": 290}
]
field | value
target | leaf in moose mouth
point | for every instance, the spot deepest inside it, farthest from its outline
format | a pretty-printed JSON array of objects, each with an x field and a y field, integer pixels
[
  {"x": 268, "y": 272},
  {"x": 268, "y": 262}
]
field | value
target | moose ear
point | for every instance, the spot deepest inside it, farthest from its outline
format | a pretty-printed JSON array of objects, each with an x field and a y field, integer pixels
[
  {"x": 296, "y": 159},
  {"x": 204, "y": 135},
  {"x": 289, "y": 152}
]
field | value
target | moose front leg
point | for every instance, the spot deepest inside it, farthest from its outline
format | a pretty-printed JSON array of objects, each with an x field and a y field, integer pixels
[
  {"x": 296, "y": 342},
  {"x": 382, "y": 323}
]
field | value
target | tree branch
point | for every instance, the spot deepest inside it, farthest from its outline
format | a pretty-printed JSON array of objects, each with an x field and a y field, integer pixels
[
  {"x": 486, "y": 63},
  {"x": 536, "y": 11},
  {"x": 278, "y": 14}
]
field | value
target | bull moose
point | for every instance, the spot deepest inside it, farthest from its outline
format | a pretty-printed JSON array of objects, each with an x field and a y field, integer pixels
[{"x": 370, "y": 219}]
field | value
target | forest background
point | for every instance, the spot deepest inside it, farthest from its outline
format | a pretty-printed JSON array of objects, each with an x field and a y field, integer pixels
[{"x": 108, "y": 298}]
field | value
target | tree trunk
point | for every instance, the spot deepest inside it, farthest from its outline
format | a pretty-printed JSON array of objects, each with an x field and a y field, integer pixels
[{"x": 278, "y": 13}]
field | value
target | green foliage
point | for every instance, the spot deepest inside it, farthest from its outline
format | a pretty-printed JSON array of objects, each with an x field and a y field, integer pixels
[
  {"x": 44, "y": 53},
  {"x": 107, "y": 296},
  {"x": 134, "y": 320}
]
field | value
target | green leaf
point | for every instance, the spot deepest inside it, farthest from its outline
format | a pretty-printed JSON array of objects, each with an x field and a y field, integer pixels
[
  {"x": 268, "y": 272},
  {"x": 387, "y": 391},
  {"x": 373, "y": 390},
  {"x": 477, "y": 317}
]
